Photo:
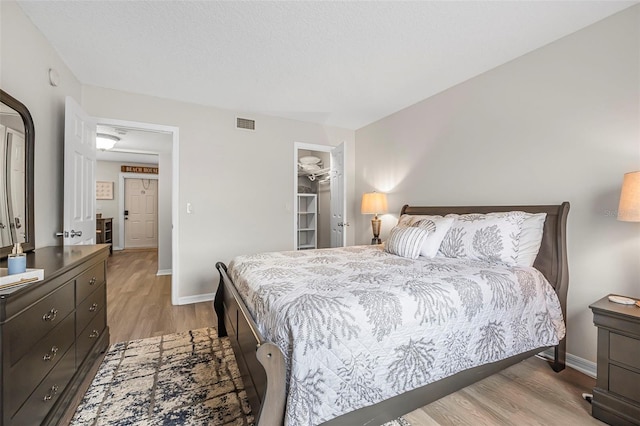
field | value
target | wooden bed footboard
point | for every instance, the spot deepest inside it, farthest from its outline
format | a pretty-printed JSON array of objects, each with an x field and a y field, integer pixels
[{"x": 261, "y": 363}]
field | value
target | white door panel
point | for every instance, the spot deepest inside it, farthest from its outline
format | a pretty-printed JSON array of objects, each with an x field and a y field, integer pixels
[
  {"x": 338, "y": 219},
  {"x": 141, "y": 222},
  {"x": 79, "y": 175}
]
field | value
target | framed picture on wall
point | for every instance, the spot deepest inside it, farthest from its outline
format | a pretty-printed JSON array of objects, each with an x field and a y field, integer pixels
[{"x": 104, "y": 190}]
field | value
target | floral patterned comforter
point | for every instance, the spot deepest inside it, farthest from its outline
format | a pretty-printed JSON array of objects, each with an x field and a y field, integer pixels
[{"x": 358, "y": 325}]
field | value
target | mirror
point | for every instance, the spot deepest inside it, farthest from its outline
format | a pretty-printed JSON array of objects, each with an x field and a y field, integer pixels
[{"x": 16, "y": 175}]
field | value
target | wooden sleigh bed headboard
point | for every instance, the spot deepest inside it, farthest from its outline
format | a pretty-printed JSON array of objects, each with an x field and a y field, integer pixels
[{"x": 262, "y": 363}]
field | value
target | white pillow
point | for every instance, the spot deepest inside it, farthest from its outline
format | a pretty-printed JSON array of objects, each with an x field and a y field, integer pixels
[
  {"x": 491, "y": 237},
  {"x": 530, "y": 238},
  {"x": 405, "y": 241},
  {"x": 429, "y": 222}
]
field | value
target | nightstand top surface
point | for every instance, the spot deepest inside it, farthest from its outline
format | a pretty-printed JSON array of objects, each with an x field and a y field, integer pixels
[{"x": 605, "y": 306}]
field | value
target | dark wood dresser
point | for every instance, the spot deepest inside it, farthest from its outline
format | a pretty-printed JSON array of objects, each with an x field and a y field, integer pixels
[
  {"x": 616, "y": 397},
  {"x": 51, "y": 333}
]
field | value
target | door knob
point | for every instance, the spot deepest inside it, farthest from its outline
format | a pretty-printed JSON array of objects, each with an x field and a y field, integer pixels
[{"x": 75, "y": 233}]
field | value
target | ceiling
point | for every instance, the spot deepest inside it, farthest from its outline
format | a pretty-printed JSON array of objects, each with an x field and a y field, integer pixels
[
  {"x": 135, "y": 145},
  {"x": 345, "y": 64}
]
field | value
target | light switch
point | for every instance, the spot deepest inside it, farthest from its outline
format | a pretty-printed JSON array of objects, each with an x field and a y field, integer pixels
[{"x": 189, "y": 208}]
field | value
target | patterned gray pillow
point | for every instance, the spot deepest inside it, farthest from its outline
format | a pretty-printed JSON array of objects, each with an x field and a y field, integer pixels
[
  {"x": 406, "y": 241},
  {"x": 491, "y": 237}
]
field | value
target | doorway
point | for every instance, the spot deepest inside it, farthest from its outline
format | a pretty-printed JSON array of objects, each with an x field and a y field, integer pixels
[
  {"x": 166, "y": 160},
  {"x": 319, "y": 196},
  {"x": 141, "y": 212}
]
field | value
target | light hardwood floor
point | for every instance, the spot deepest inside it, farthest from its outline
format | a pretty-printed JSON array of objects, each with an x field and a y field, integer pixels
[
  {"x": 139, "y": 302},
  {"x": 529, "y": 393}
]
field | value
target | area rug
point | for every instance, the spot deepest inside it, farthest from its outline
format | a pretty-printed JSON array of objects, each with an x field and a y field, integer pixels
[{"x": 189, "y": 378}]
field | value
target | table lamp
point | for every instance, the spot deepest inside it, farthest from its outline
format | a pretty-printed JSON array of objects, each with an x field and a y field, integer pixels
[
  {"x": 374, "y": 203},
  {"x": 629, "y": 208}
]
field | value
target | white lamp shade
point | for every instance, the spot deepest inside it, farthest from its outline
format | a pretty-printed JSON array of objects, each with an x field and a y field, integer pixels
[
  {"x": 629, "y": 208},
  {"x": 374, "y": 203}
]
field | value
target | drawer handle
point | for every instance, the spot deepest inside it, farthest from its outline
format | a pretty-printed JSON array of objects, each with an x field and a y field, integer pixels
[
  {"x": 92, "y": 281},
  {"x": 51, "y": 315},
  {"x": 93, "y": 307},
  {"x": 51, "y": 355},
  {"x": 94, "y": 334},
  {"x": 52, "y": 392}
]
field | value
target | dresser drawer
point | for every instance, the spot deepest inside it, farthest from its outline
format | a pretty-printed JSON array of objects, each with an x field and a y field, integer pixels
[
  {"x": 625, "y": 350},
  {"x": 624, "y": 382},
  {"x": 88, "y": 337},
  {"x": 25, "y": 375},
  {"x": 39, "y": 320},
  {"x": 88, "y": 281},
  {"x": 44, "y": 397},
  {"x": 88, "y": 309}
]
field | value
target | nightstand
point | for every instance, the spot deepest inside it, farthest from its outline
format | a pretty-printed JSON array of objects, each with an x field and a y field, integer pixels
[{"x": 616, "y": 397}]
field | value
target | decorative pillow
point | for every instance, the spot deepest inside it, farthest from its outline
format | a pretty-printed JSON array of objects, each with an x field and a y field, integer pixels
[
  {"x": 405, "y": 241},
  {"x": 531, "y": 238},
  {"x": 491, "y": 237},
  {"x": 437, "y": 227}
]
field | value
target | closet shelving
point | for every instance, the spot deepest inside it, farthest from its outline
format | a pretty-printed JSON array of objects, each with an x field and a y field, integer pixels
[{"x": 307, "y": 221}]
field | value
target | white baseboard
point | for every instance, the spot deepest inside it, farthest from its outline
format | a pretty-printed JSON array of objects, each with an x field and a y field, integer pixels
[
  {"x": 580, "y": 364},
  {"x": 116, "y": 248},
  {"x": 163, "y": 272},
  {"x": 196, "y": 299}
]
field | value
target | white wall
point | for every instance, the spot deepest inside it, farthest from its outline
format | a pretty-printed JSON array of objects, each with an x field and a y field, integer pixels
[
  {"x": 561, "y": 123},
  {"x": 238, "y": 182},
  {"x": 24, "y": 66}
]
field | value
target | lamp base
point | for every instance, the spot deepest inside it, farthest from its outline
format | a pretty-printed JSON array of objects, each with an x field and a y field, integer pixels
[{"x": 375, "y": 226}]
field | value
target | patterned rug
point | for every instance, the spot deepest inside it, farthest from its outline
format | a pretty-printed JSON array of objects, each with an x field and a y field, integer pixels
[{"x": 188, "y": 378}]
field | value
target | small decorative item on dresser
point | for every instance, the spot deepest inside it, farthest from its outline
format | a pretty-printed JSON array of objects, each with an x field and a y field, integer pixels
[
  {"x": 616, "y": 397},
  {"x": 17, "y": 260}
]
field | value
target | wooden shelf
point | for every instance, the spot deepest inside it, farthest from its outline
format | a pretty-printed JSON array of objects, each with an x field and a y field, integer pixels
[
  {"x": 307, "y": 221},
  {"x": 104, "y": 232}
]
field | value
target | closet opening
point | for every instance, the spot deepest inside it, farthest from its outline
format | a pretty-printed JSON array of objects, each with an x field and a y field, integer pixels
[{"x": 319, "y": 196}]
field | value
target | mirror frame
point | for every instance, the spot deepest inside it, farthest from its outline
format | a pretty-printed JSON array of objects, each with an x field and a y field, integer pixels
[{"x": 29, "y": 137}]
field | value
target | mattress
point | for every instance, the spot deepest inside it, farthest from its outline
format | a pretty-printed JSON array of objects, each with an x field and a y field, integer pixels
[{"x": 358, "y": 325}]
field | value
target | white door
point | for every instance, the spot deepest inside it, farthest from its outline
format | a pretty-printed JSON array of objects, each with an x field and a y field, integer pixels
[
  {"x": 141, "y": 213},
  {"x": 79, "y": 175},
  {"x": 338, "y": 221}
]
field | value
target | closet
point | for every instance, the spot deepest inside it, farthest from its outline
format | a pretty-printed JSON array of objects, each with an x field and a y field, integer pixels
[{"x": 313, "y": 200}]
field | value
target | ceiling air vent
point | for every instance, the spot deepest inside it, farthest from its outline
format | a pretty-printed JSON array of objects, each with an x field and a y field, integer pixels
[{"x": 245, "y": 123}]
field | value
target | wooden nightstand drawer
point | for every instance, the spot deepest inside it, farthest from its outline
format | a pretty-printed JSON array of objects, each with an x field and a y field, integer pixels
[
  {"x": 625, "y": 350},
  {"x": 616, "y": 397},
  {"x": 88, "y": 281},
  {"x": 624, "y": 382}
]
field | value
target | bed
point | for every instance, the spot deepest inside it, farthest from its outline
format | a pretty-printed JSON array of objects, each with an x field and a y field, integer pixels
[{"x": 270, "y": 359}]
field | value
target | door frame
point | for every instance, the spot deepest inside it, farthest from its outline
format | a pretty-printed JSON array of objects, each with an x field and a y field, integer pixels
[
  {"x": 121, "y": 200},
  {"x": 321, "y": 148},
  {"x": 175, "y": 184}
]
